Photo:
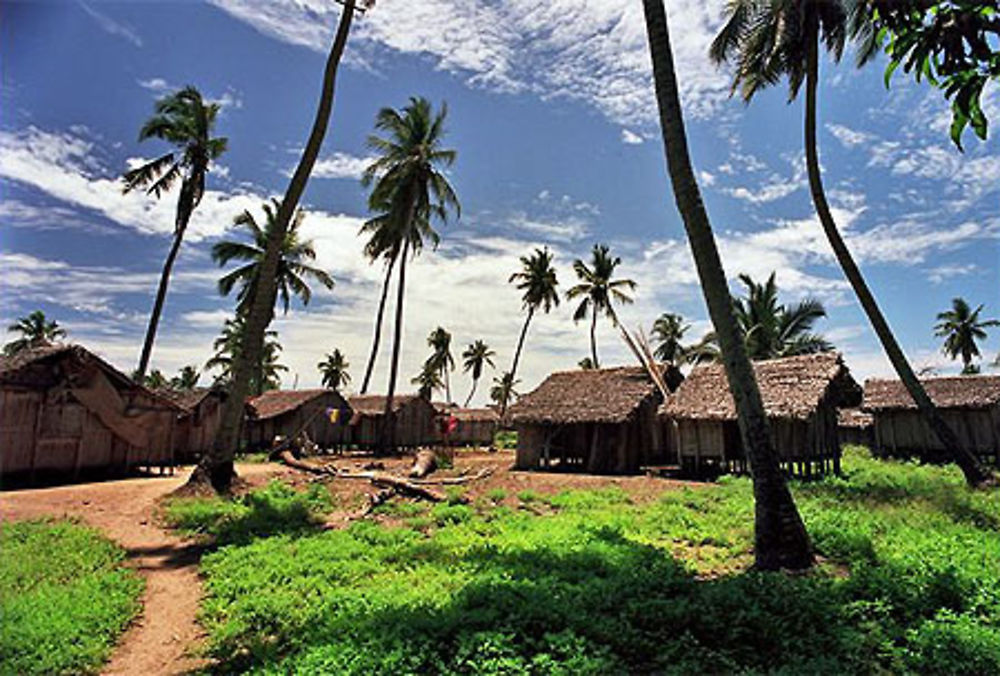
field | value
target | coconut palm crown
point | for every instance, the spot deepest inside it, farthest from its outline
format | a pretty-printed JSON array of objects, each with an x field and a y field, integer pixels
[
  {"x": 334, "y": 370},
  {"x": 599, "y": 291},
  {"x": 961, "y": 329},
  {"x": 475, "y": 358},
  {"x": 36, "y": 331}
]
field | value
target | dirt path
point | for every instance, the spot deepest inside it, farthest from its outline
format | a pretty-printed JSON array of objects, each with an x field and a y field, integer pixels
[{"x": 159, "y": 642}]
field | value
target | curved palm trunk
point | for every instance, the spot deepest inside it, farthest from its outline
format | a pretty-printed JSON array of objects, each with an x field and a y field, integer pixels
[
  {"x": 216, "y": 466},
  {"x": 517, "y": 358},
  {"x": 475, "y": 382},
  {"x": 780, "y": 539},
  {"x": 974, "y": 473},
  {"x": 447, "y": 385},
  {"x": 378, "y": 327},
  {"x": 184, "y": 209},
  {"x": 593, "y": 338},
  {"x": 387, "y": 435}
]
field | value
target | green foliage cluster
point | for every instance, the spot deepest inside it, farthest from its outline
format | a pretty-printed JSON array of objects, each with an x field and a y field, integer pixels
[
  {"x": 602, "y": 583},
  {"x": 64, "y": 598},
  {"x": 505, "y": 439}
]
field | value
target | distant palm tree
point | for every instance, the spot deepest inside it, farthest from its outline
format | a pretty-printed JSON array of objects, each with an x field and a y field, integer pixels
[
  {"x": 771, "y": 329},
  {"x": 266, "y": 373},
  {"x": 186, "y": 379},
  {"x": 36, "y": 331},
  {"x": 154, "y": 380},
  {"x": 705, "y": 350},
  {"x": 427, "y": 381},
  {"x": 334, "y": 370},
  {"x": 504, "y": 387},
  {"x": 293, "y": 267},
  {"x": 668, "y": 331},
  {"x": 537, "y": 279},
  {"x": 961, "y": 328},
  {"x": 184, "y": 120},
  {"x": 599, "y": 291},
  {"x": 586, "y": 364},
  {"x": 441, "y": 359},
  {"x": 475, "y": 358},
  {"x": 768, "y": 41},
  {"x": 409, "y": 189}
]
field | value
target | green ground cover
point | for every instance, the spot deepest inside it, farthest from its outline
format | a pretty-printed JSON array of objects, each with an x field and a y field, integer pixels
[
  {"x": 592, "y": 582},
  {"x": 64, "y": 598}
]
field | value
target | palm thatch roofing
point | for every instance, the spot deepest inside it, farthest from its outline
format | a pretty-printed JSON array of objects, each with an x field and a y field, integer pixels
[
  {"x": 854, "y": 417},
  {"x": 611, "y": 395},
  {"x": 274, "y": 403},
  {"x": 474, "y": 414},
  {"x": 791, "y": 387},
  {"x": 191, "y": 399},
  {"x": 374, "y": 404},
  {"x": 975, "y": 392}
]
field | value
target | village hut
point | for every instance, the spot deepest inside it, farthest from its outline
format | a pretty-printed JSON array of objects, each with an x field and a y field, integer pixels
[
  {"x": 321, "y": 414},
  {"x": 200, "y": 421},
  {"x": 854, "y": 426},
  {"x": 472, "y": 426},
  {"x": 969, "y": 404},
  {"x": 65, "y": 412},
  {"x": 415, "y": 420},
  {"x": 801, "y": 396},
  {"x": 597, "y": 420}
]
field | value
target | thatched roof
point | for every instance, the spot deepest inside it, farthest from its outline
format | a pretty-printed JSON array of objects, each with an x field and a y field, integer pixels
[
  {"x": 274, "y": 403},
  {"x": 374, "y": 404},
  {"x": 191, "y": 399},
  {"x": 11, "y": 365},
  {"x": 854, "y": 417},
  {"x": 474, "y": 414},
  {"x": 791, "y": 388},
  {"x": 953, "y": 392},
  {"x": 611, "y": 395}
]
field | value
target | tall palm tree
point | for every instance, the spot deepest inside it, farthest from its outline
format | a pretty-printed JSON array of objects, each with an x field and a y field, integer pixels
[
  {"x": 36, "y": 331},
  {"x": 428, "y": 380},
  {"x": 504, "y": 387},
  {"x": 780, "y": 538},
  {"x": 216, "y": 466},
  {"x": 186, "y": 379},
  {"x": 293, "y": 263},
  {"x": 668, "y": 331},
  {"x": 770, "y": 40},
  {"x": 184, "y": 120},
  {"x": 334, "y": 370},
  {"x": 410, "y": 190},
  {"x": 771, "y": 329},
  {"x": 441, "y": 358},
  {"x": 599, "y": 291},
  {"x": 382, "y": 245},
  {"x": 537, "y": 279},
  {"x": 266, "y": 372},
  {"x": 961, "y": 328},
  {"x": 476, "y": 357}
]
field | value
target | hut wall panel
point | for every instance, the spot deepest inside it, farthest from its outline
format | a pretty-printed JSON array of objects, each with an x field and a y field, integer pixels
[
  {"x": 96, "y": 443},
  {"x": 18, "y": 418},
  {"x": 56, "y": 454},
  {"x": 530, "y": 439}
]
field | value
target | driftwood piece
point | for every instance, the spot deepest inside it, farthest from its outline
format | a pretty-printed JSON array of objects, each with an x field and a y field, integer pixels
[
  {"x": 424, "y": 463},
  {"x": 288, "y": 458},
  {"x": 454, "y": 480}
]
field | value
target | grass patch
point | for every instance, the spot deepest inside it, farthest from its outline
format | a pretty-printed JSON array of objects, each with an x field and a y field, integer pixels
[
  {"x": 64, "y": 597},
  {"x": 601, "y": 585}
]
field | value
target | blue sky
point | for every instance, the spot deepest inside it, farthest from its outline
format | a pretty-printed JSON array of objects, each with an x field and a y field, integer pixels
[{"x": 551, "y": 112}]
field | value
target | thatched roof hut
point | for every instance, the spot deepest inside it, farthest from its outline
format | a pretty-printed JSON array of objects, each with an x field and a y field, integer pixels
[
  {"x": 473, "y": 426},
  {"x": 855, "y": 426},
  {"x": 800, "y": 395},
  {"x": 200, "y": 421},
  {"x": 322, "y": 414},
  {"x": 970, "y": 405},
  {"x": 414, "y": 420},
  {"x": 64, "y": 410}
]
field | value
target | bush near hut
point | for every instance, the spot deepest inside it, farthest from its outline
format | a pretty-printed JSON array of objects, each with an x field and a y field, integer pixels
[
  {"x": 604, "y": 583},
  {"x": 64, "y": 598}
]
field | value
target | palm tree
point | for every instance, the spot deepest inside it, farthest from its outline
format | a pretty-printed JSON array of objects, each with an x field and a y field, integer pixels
[
  {"x": 216, "y": 466},
  {"x": 599, "y": 291},
  {"x": 475, "y": 358},
  {"x": 409, "y": 189},
  {"x": 184, "y": 120},
  {"x": 585, "y": 364},
  {"x": 768, "y": 40},
  {"x": 537, "y": 279},
  {"x": 668, "y": 331},
  {"x": 36, "y": 331},
  {"x": 384, "y": 245},
  {"x": 504, "y": 387},
  {"x": 961, "y": 328},
  {"x": 780, "y": 538},
  {"x": 705, "y": 350},
  {"x": 428, "y": 380},
  {"x": 186, "y": 379},
  {"x": 266, "y": 374},
  {"x": 441, "y": 359},
  {"x": 334, "y": 370},
  {"x": 772, "y": 330},
  {"x": 293, "y": 267}
]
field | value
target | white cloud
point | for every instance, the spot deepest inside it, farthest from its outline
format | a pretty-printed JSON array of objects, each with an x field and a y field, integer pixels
[
  {"x": 340, "y": 165},
  {"x": 112, "y": 27},
  {"x": 946, "y": 273},
  {"x": 630, "y": 138},
  {"x": 849, "y": 138}
]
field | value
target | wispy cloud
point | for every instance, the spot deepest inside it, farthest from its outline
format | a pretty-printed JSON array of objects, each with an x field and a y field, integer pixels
[
  {"x": 112, "y": 26},
  {"x": 631, "y": 138}
]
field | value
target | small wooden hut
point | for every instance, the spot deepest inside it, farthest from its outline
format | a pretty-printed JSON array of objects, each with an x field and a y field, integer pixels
[
  {"x": 291, "y": 412},
  {"x": 597, "y": 420},
  {"x": 414, "y": 414},
  {"x": 854, "y": 426},
  {"x": 200, "y": 422},
  {"x": 801, "y": 396},
  {"x": 64, "y": 411},
  {"x": 969, "y": 404},
  {"x": 474, "y": 426}
]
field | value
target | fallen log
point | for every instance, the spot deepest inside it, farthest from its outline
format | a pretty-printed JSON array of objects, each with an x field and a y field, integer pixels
[
  {"x": 288, "y": 458},
  {"x": 454, "y": 480},
  {"x": 424, "y": 463}
]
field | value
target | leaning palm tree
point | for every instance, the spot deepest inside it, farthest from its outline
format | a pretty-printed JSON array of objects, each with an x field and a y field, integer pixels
[
  {"x": 184, "y": 120},
  {"x": 767, "y": 41},
  {"x": 668, "y": 332},
  {"x": 441, "y": 358},
  {"x": 599, "y": 291},
  {"x": 186, "y": 379},
  {"x": 780, "y": 539},
  {"x": 475, "y": 358},
  {"x": 334, "y": 370},
  {"x": 36, "y": 331},
  {"x": 293, "y": 263},
  {"x": 216, "y": 466},
  {"x": 504, "y": 388},
  {"x": 409, "y": 189},
  {"x": 537, "y": 279},
  {"x": 383, "y": 244},
  {"x": 961, "y": 328},
  {"x": 428, "y": 380}
]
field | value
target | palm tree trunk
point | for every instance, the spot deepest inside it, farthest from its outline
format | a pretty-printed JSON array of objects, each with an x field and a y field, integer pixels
[
  {"x": 593, "y": 337},
  {"x": 475, "y": 381},
  {"x": 974, "y": 473},
  {"x": 447, "y": 384},
  {"x": 780, "y": 539},
  {"x": 387, "y": 436},
  {"x": 378, "y": 327},
  {"x": 184, "y": 209},
  {"x": 517, "y": 357},
  {"x": 216, "y": 466}
]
